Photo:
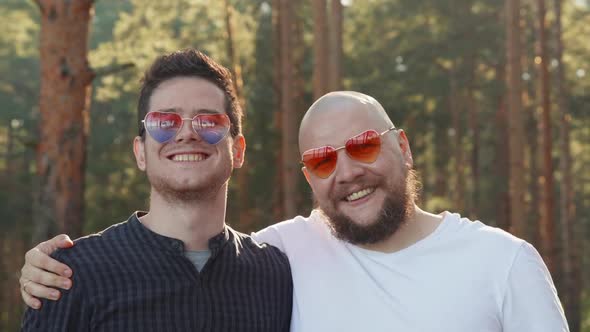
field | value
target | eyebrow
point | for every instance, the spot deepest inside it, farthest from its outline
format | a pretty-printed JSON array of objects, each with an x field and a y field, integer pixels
[{"x": 198, "y": 111}]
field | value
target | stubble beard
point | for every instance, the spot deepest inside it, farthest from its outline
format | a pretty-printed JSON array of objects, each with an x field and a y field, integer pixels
[
  {"x": 397, "y": 208},
  {"x": 174, "y": 194}
]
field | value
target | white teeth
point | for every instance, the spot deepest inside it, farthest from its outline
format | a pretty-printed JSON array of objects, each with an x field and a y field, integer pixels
[
  {"x": 188, "y": 157},
  {"x": 359, "y": 194}
]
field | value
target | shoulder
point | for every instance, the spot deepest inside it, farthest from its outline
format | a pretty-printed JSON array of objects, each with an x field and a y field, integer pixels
[
  {"x": 479, "y": 234},
  {"x": 251, "y": 245},
  {"x": 488, "y": 245},
  {"x": 90, "y": 248},
  {"x": 296, "y": 229},
  {"x": 264, "y": 256}
]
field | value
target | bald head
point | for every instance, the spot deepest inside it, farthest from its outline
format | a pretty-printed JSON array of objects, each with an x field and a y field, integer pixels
[{"x": 338, "y": 111}]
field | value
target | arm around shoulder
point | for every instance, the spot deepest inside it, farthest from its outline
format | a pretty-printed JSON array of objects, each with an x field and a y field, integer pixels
[
  {"x": 530, "y": 299},
  {"x": 69, "y": 313}
]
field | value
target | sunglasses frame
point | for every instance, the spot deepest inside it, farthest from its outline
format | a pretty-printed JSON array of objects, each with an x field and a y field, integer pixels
[
  {"x": 392, "y": 128},
  {"x": 192, "y": 127}
]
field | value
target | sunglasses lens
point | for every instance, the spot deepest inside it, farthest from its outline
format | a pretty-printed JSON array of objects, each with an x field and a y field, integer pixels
[
  {"x": 211, "y": 127},
  {"x": 364, "y": 147},
  {"x": 162, "y": 126},
  {"x": 320, "y": 161}
]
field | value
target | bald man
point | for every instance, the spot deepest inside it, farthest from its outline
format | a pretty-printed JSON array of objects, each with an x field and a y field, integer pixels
[{"x": 369, "y": 259}]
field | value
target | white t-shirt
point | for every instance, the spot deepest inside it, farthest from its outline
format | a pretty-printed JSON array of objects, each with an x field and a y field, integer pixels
[{"x": 464, "y": 277}]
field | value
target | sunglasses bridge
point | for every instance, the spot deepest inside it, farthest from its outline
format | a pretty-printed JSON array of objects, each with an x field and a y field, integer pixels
[{"x": 353, "y": 137}]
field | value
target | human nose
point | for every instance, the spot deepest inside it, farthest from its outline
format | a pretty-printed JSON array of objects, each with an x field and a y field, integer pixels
[
  {"x": 347, "y": 170},
  {"x": 186, "y": 131}
]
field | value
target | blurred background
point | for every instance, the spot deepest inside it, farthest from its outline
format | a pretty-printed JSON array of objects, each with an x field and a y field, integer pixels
[{"x": 493, "y": 95}]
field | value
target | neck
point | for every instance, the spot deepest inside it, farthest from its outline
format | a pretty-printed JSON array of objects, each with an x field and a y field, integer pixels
[
  {"x": 192, "y": 222},
  {"x": 419, "y": 225}
]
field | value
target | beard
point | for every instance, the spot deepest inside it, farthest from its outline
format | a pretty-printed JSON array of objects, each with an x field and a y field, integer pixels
[{"x": 397, "y": 208}]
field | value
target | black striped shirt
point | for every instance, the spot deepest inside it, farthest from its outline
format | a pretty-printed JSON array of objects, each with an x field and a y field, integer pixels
[{"x": 128, "y": 278}]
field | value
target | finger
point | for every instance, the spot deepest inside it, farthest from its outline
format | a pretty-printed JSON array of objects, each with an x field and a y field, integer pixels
[
  {"x": 40, "y": 291},
  {"x": 30, "y": 300},
  {"x": 41, "y": 260},
  {"x": 60, "y": 241},
  {"x": 64, "y": 241},
  {"x": 45, "y": 278}
]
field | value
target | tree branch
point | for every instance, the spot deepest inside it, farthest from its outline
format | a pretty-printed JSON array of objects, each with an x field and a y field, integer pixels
[{"x": 112, "y": 69}]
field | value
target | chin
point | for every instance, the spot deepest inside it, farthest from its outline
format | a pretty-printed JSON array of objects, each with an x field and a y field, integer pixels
[{"x": 361, "y": 220}]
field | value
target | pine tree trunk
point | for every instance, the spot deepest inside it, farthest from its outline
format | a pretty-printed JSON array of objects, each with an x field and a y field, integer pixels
[
  {"x": 320, "y": 49},
  {"x": 64, "y": 101},
  {"x": 515, "y": 123},
  {"x": 335, "y": 56},
  {"x": 299, "y": 103},
  {"x": 531, "y": 150},
  {"x": 289, "y": 121},
  {"x": 546, "y": 225},
  {"x": 278, "y": 211},
  {"x": 245, "y": 210},
  {"x": 532, "y": 147},
  {"x": 475, "y": 139},
  {"x": 10, "y": 243},
  {"x": 570, "y": 262},
  {"x": 455, "y": 105},
  {"x": 502, "y": 155}
]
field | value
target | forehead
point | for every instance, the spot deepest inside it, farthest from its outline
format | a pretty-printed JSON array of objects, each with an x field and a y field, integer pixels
[
  {"x": 335, "y": 123},
  {"x": 187, "y": 95}
]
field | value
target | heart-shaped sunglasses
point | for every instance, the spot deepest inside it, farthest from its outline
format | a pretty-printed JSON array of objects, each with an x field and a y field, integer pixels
[
  {"x": 164, "y": 126},
  {"x": 364, "y": 147}
]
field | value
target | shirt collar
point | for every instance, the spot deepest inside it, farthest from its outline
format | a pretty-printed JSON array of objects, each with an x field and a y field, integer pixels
[{"x": 144, "y": 234}]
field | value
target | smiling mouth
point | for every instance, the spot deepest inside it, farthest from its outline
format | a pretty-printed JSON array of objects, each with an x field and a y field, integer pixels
[
  {"x": 359, "y": 194},
  {"x": 188, "y": 157}
]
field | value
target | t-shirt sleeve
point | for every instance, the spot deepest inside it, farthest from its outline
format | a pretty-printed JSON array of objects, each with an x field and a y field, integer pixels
[
  {"x": 69, "y": 313},
  {"x": 530, "y": 299}
]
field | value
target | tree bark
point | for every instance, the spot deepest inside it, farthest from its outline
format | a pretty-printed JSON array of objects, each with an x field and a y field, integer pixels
[
  {"x": 475, "y": 138},
  {"x": 299, "y": 104},
  {"x": 277, "y": 212},
  {"x": 11, "y": 242},
  {"x": 546, "y": 225},
  {"x": 289, "y": 121},
  {"x": 515, "y": 123},
  {"x": 64, "y": 101},
  {"x": 320, "y": 49},
  {"x": 532, "y": 165},
  {"x": 502, "y": 154},
  {"x": 455, "y": 105},
  {"x": 570, "y": 262},
  {"x": 245, "y": 210},
  {"x": 335, "y": 54}
]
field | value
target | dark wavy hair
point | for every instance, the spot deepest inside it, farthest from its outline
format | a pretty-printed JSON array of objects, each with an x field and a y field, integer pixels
[{"x": 189, "y": 63}]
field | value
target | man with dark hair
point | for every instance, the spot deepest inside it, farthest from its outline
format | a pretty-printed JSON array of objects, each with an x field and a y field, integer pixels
[
  {"x": 177, "y": 267},
  {"x": 369, "y": 259}
]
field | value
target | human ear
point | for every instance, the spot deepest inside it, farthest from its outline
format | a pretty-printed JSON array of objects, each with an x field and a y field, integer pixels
[
  {"x": 404, "y": 145},
  {"x": 306, "y": 174},
  {"x": 239, "y": 151},
  {"x": 139, "y": 152}
]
